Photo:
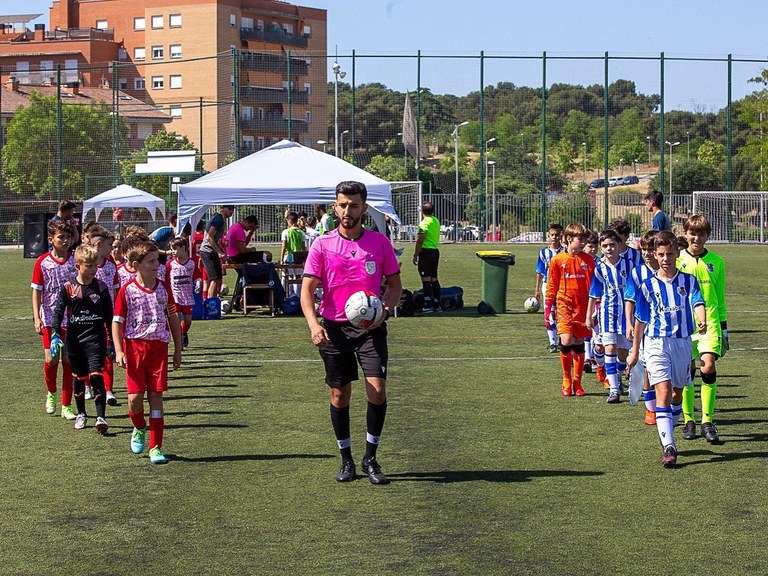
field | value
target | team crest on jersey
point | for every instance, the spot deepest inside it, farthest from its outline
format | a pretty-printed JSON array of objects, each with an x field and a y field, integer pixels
[
  {"x": 623, "y": 273},
  {"x": 370, "y": 268},
  {"x": 681, "y": 290},
  {"x": 710, "y": 267},
  {"x": 584, "y": 266},
  {"x": 94, "y": 298}
]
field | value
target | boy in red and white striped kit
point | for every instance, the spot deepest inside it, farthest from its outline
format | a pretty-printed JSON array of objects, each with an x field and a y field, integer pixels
[
  {"x": 145, "y": 319},
  {"x": 185, "y": 279},
  {"x": 51, "y": 271}
]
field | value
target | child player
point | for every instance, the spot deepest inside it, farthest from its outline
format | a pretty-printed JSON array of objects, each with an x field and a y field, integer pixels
[
  {"x": 145, "y": 319},
  {"x": 709, "y": 270},
  {"x": 185, "y": 280},
  {"x": 666, "y": 306},
  {"x": 590, "y": 248},
  {"x": 554, "y": 236},
  {"x": 570, "y": 273},
  {"x": 636, "y": 278},
  {"x": 50, "y": 272},
  {"x": 608, "y": 283},
  {"x": 102, "y": 240},
  {"x": 87, "y": 303}
]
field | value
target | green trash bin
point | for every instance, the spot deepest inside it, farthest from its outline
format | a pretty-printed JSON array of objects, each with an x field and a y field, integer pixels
[{"x": 495, "y": 268}]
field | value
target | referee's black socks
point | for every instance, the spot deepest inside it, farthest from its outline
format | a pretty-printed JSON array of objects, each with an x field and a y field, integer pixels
[
  {"x": 340, "y": 423},
  {"x": 375, "y": 423}
]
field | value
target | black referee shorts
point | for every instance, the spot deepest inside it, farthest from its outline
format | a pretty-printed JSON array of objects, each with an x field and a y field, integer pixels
[
  {"x": 349, "y": 346},
  {"x": 429, "y": 258},
  {"x": 212, "y": 264}
]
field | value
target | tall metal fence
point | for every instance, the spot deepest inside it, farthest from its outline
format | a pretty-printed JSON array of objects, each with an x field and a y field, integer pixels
[{"x": 539, "y": 129}]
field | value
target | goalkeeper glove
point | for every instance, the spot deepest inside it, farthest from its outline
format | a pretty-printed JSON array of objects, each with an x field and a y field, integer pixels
[
  {"x": 56, "y": 345},
  {"x": 549, "y": 313},
  {"x": 111, "y": 351},
  {"x": 725, "y": 344}
]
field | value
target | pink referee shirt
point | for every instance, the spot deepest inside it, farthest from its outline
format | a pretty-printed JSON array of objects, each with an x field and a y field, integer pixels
[
  {"x": 236, "y": 233},
  {"x": 346, "y": 266}
]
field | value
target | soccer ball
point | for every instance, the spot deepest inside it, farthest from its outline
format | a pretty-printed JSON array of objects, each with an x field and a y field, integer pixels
[
  {"x": 363, "y": 309},
  {"x": 226, "y": 307},
  {"x": 532, "y": 305},
  {"x": 224, "y": 290}
]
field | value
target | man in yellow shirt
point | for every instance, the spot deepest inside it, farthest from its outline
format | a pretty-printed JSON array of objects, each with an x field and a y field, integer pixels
[{"x": 427, "y": 257}]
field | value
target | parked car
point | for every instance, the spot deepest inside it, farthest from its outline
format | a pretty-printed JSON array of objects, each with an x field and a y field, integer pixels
[
  {"x": 630, "y": 180},
  {"x": 597, "y": 183},
  {"x": 616, "y": 181},
  {"x": 469, "y": 234}
]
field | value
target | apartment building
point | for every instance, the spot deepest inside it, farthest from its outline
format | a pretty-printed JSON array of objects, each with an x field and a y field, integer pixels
[{"x": 166, "y": 57}]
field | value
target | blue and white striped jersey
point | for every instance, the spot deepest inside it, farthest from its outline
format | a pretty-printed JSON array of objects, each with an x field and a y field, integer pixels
[
  {"x": 638, "y": 275},
  {"x": 666, "y": 306},
  {"x": 608, "y": 284},
  {"x": 634, "y": 255},
  {"x": 545, "y": 257}
]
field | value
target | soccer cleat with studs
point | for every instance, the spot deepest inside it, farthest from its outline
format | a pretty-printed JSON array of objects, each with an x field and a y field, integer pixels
[
  {"x": 156, "y": 456},
  {"x": 669, "y": 458},
  {"x": 709, "y": 432},
  {"x": 613, "y": 398},
  {"x": 347, "y": 472},
  {"x": 138, "y": 440},
  {"x": 80, "y": 421},
  {"x": 578, "y": 390},
  {"x": 111, "y": 398},
  {"x": 101, "y": 426},
  {"x": 650, "y": 418},
  {"x": 689, "y": 430},
  {"x": 372, "y": 469},
  {"x": 50, "y": 403},
  {"x": 553, "y": 349},
  {"x": 67, "y": 413}
]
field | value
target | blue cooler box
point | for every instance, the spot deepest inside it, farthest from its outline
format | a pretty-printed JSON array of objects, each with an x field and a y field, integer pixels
[
  {"x": 198, "y": 312},
  {"x": 212, "y": 309}
]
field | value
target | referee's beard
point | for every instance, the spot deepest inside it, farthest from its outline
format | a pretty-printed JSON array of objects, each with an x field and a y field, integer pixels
[{"x": 349, "y": 223}]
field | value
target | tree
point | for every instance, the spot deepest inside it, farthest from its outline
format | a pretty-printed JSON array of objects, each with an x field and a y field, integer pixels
[
  {"x": 388, "y": 168},
  {"x": 30, "y": 157},
  {"x": 690, "y": 175},
  {"x": 711, "y": 154},
  {"x": 158, "y": 185}
]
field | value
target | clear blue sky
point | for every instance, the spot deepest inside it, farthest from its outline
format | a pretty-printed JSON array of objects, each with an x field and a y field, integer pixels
[{"x": 679, "y": 28}]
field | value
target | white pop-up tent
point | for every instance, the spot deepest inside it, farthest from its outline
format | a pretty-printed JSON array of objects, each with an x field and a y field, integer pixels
[
  {"x": 124, "y": 196},
  {"x": 284, "y": 173}
]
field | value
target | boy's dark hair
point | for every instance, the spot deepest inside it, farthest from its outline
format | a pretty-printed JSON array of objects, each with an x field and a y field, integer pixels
[
  {"x": 292, "y": 217},
  {"x": 136, "y": 232},
  {"x": 200, "y": 226},
  {"x": 609, "y": 234},
  {"x": 621, "y": 227},
  {"x": 656, "y": 197},
  {"x": 172, "y": 218},
  {"x": 666, "y": 238},
  {"x": 251, "y": 219},
  {"x": 228, "y": 206},
  {"x": 66, "y": 205},
  {"x": 682, "y": 242},
  {"x": 648, "y": 241},
  {"x": 139, "y": 251},
  {"x": 592, "y": 237},
  {"x": 179, "y": 243},
  {"x": 311, "y": 221},
  {"x": 90, "y": 225},
  {"x": 99, "y": 231},
  {"x": 555, "y": 226},
  {"x": 59, "y": 227},
  {"x": 352, "y": 188},
  {"x": 128, "y": 243},
  {"x": 427, "y": 208},
  {"x": 575, "y": 230},
  {"x": 698, "y": 224}
]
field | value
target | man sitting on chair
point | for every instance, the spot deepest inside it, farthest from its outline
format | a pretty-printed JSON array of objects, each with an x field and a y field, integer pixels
[{"x": 238, "y": 237}]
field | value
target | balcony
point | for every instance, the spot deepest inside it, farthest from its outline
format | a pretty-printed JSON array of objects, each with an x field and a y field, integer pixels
[
  {"x": 80, "y": 34},
  {"x": 275, "y": 124},
  {"x": 272, "y": 95},
  {"x": 274, "y": 35},
  {"x": 277, "y": 63}
]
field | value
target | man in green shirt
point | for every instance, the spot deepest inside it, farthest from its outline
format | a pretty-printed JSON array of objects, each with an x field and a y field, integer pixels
[
  {"x": 709, "y": 270},
  {"x": 427, "y": 257}
]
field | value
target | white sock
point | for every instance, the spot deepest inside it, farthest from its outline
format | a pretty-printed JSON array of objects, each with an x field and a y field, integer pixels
[
  {"x": 664, "y": 425},
  {"x": 552, "y": 334},
  {"x": 587, "y": 349},
  {"x": 677, "y": 409},
  {"x": 649, "y": 396},
  {"x": 611, "y": 367}
]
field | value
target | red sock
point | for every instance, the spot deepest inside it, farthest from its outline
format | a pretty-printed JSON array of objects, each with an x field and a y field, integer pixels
[
  {"x": 205, "y": 294},
  {"x": 184, "y": 327},
  {"x": 566, "y": 359},
  {"x": 50, "y": 371},
  {"x": 156, "y": 426},
  {"x": 66, "y": 384},
  {"x": 578, "y": 368},
  {"x": 108, "y": 374},
  {"x": 138, "y": 420}
]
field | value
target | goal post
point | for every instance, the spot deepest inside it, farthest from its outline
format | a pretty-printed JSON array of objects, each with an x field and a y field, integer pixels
[
  {"x": 407, "y": 198},
  {"x": 735, "y": 216}
]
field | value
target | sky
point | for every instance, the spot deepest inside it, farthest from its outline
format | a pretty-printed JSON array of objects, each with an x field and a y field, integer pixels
[{"x": 525, "y": 28}]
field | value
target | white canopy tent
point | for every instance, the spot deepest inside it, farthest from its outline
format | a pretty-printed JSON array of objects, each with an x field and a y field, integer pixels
[
  {"x": 284, "y": 173},
  {"x": 124, "y": 196}
]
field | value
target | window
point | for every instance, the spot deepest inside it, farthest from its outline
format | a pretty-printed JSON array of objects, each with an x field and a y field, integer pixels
[
  {"x": 247, "y": 23},
  {"x": 174, "y": 80},
  {"x": 158, "y": 53},
  {"x": 175, "y": 50},
  {"x": 157, "y": 83},
  {"x": 288, "y": 29},
  {"x": 307, "y": 31},
  {"x": 261, "y": 142},
  {"x": 261, "y": 113},
  {"x": 308, "y": 88},
  {"x": 102, "y": 24},
  {"x": 70, "y": 71},
  {"x": 157, "y": 22},
  {"x": 122, "y": 54},
  {"x": 22, "y": 72},
  {"x": 122, "y": 83},
  {"x": 139, "y": 84},
  {"x": 139, "y": 53},
  {"x": 46, "y": 72},
  {"x": 175, "y": 111},
  {"x": 247, "y": 113},
  {"x": 248, "y": 143},
  {"x": 260, "y": 25},
  {"x": 139, "y": 23},
  {"x": 308, "y": 114},
  {"x": 233, "y": 20},
  {"x": 174, "y": 20}
]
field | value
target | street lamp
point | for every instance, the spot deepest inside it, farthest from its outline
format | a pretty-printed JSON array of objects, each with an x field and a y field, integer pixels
[
  {"x": 585, "y": 160},
  {"x": 649, "y": 149},
  {"x": 671, "y": 145},
  {"x": 456, "y": 163},
  {"x": 492, "y": 164},
  {"x": 522, "y": 142},
  {"x": 688, "y": 138},
  {"x": 342, "y": 142},
  {"x": 322, "y": 143},
  {"x": 485, "y": 221},
  {"x": 336, "y": 73},
  {"x": 621, "y": 167}
]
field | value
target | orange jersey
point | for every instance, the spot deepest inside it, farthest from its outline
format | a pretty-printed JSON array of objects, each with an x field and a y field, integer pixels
[{"x": 568, "y": 287}]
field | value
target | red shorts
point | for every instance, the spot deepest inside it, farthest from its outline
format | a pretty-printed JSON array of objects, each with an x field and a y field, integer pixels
[
  {"x": 146, "y": 366},
  {"x": 185, "y": 310},
  {"x": 47, "y": 330}
]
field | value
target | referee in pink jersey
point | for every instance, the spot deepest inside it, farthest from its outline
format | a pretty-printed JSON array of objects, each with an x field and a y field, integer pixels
[{"x": 347, "y": 260}]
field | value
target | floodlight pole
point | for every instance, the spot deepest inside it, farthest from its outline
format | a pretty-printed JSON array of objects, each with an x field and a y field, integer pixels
[
  {"x": 336, "y": 73},
  {"x": 456, "y": 163},
  {"x": 671, "y": 145}
]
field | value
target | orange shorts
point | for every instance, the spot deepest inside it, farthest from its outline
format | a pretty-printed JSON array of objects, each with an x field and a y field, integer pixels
[
  {"x": 146, "y": 366},
  {"x": 573, "y": 324}
]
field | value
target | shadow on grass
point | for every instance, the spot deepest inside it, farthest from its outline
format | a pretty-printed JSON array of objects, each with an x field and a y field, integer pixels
[
  {"x": 172, "y": 377},
  {"x": 745, "y": 437},
  {"x": 197, "y": 413},
  {"x": 717, "y": 458},
  {"x": 249, "y": 457},
  {"x": 748, "y": 409},
  {"x": 219, "y": 425},
  {"x": 745, "y": 331},
  {"x": 451, "y": 476},
  {"x": 177, "y": 386},
  {"x": 730, "y": 376},
  {"x": 200, "y": 351},
  {"x": 214, "y": 366},
  {"x": 205, "y": 397}
]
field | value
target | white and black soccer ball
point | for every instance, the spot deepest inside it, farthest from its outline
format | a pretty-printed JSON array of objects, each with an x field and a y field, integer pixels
[
  {"x": 363, "y": 309},
  {"x": 532, "y": 305},
  {"x": 226, "y": 307}
]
